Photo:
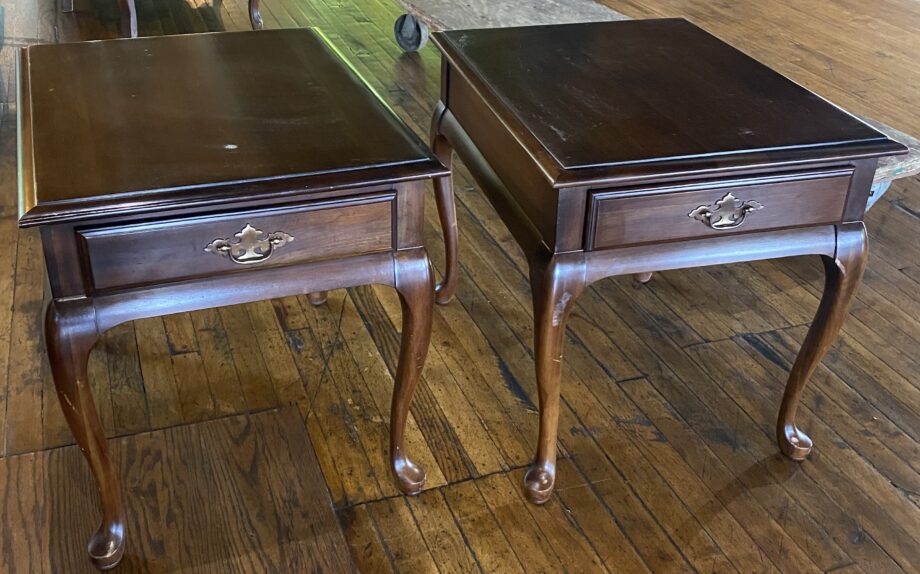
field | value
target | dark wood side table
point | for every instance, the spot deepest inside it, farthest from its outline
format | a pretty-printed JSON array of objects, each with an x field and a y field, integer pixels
[
  {"x": 208, "y": 170},
  {"x": 633, "y": 147}
]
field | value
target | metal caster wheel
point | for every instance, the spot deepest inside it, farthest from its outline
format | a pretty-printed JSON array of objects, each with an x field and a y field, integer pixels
[{"x": 410, "y": 33}]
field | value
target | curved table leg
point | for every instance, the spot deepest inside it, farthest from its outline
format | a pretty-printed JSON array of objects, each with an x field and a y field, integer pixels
[
  {"x": 317, "y": 298},
  {"x": 255, "y": 15},
  {"x": 216, "y": 7},
  {"x": 70, "y": 332},
  {"x": 843, "y": 274},
  {"x": 447, "y": 210},
  {"x": 128, "y": 12},
  {"x": 555, "y": 285},
  {"x": 414, "y": 285}
]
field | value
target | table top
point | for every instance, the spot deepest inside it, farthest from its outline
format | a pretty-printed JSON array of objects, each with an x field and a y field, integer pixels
[
  {"x": 146, "y": 123},
  {"x": 615, "y": 94}
]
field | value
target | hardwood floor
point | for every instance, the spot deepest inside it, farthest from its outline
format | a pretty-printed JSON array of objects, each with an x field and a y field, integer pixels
[
  {"x": 670, "y": 390},
  {"x": 190, "y": 491}
]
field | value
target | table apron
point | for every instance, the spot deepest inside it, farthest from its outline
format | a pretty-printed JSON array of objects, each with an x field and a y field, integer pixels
[
  {"x": 234, "y": 289},
  {"x": 820, "y": 240}
]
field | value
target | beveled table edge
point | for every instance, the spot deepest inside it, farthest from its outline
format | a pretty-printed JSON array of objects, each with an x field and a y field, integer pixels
[
  {"x": 710, "y": 163},
  {"x": 32, "y": 212}
]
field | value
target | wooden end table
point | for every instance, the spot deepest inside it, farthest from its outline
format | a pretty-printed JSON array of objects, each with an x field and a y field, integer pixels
[
  {"x": 213, "y": 169},
  {"x": 633, "y": 147}
]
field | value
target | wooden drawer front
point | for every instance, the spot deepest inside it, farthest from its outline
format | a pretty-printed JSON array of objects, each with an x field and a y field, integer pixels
[
  {"x": 627, "y": 217},
  {"x": 173, "y": 250}
]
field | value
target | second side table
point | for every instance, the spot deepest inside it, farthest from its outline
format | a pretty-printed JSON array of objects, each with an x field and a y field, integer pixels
[{"x": 633, "y": 147}]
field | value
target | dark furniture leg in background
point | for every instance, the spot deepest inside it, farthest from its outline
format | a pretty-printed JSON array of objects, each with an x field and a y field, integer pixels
[
  {"x": 255, "y": 15},
  {"x": 128, "y": 12},
  {"x": 318, "y": 298},
  {"x": 447, "y": 210}
]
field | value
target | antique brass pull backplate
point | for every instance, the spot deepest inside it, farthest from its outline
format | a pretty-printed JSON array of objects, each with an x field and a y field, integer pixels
[
  {"x": 251, "y": 245},
  {"x": 727, "y": 213}
]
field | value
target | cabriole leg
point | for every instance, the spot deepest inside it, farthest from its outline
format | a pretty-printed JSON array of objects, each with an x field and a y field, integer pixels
[
  {"x": 70, "y": 332},
  {"x": 128, "y": 12},
  {"x": 843, "y": 274},
  {"x": 555, "y": 287},
  {"x": 643, "y": 277},
  {"x": 414, "y": 285},
  {"x": 317, "y": 298},
  {"x": 447, "y": 210},
  {"x": 255, "y": 15}
]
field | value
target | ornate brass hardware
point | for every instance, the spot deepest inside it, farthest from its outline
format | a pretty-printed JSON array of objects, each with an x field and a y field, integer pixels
[
  {"x": 726, "y": 213},
  {"x": 252, "y": 245}
]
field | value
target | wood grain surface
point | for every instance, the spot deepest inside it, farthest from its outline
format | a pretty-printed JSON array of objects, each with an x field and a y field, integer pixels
[
  {"x": 237, "y": 494},
  {"x": 668, "y": 460}
]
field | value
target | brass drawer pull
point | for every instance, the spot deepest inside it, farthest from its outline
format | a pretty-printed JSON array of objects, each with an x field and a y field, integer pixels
[
  {"x": 727, "y": 213},
  {"x": 252, "y": 245}
]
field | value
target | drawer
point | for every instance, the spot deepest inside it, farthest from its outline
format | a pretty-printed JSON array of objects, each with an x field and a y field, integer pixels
[
  {"x": 185, "y": 248},
  {"x": 685, "y": 211}
]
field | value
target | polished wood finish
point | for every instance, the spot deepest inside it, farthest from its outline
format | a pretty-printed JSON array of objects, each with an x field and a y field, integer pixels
[
  {"x": 415, "y": 286},
  {"x": 556, "y": 285},
  {"x": 70, "y": 331},
  {"x": 744, "y": 165},
  {"x": 124, "y": 256},
  {"x": 447, "y": 210},
  {"x": 730, "y": 104},
  {"x": 128, "y": 13},
  {"x": 240, "y": 133},
  {"x": 255, "y": 15},
  {"x": 667, "y": 455},
  {"x": 176, "y": 251},
  {"x": 318, "y": 298},
  {"x": 657, "y": 213},
  {"x": 843, "y": 272}
]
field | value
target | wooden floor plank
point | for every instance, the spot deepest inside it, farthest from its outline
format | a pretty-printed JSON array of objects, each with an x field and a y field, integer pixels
[
  {"x": 254, "y": 377},
  {"x": 176, "y": 483},
  {"x": 525, "y": 535},
  {"x": 157, "y": 371},
  {"x": 660, "y": 356},
  {"x": 367, "y": 548},
  {"x": 8, "y": 260},
  {"x": 444, "y": 539},
  {"x": 217, "y": 357},
  {"x": 487, "y": 540},
  {"x": 779, "y": 528},
  {"x": 24, "y": 374},
  {"x": 129, "y": 401},
  {"x": 574, "y": 550},
  {"x": 269, "y": 339},
  {"x": 607, "y": 530},
  {"x": 402, "y": 536},
  {"x": 829, "y": 393},
  {"x": 836, "y": 458}
]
